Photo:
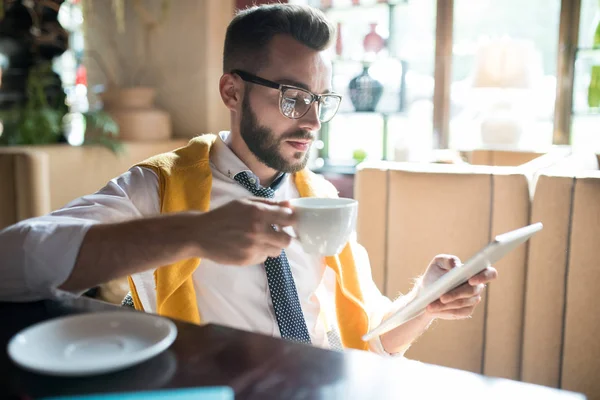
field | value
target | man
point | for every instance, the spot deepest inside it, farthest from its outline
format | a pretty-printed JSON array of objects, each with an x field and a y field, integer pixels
[{"x": 194, "y": 231}]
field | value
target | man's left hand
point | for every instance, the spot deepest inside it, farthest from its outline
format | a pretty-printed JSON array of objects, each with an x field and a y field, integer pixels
[{"x": 460, "y": 302}]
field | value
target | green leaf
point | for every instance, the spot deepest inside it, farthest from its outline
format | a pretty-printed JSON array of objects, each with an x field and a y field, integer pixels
[
  {"x": 110, "y": 143},
  {"x": 101, "y": 121},
  {"x": 35, "y": 122},
  {"x": 105, "y": 131}
]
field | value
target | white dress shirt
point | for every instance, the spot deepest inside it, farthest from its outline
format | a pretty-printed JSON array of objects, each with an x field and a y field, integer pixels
[{"x": 37, "y": 256}]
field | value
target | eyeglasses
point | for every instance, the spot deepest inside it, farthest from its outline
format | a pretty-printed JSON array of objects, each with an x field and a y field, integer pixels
[{"x": 294, "y": 102}]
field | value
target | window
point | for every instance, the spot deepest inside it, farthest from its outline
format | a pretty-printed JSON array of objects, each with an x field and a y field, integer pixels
[
  {"x": 585, "y": 123},
  {"x": 504, "y": 90},
  {"x": 404, "y": 66},
  {"x": 503, "y": 73}
]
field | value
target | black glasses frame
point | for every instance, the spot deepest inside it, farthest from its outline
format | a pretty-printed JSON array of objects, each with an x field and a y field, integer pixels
[{"x": 251, "y": 78}]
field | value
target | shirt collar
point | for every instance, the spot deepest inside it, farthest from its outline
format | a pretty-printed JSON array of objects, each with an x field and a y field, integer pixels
[{"x": 226, "y": 162}]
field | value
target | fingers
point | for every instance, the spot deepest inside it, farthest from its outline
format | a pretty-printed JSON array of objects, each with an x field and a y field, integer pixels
[
  {"x": 446, "y": 261},
  {"x": 485, "y": 276},
  {"x": 460, "y": 302},
  {"x": 461, "y": 313},
  {"x": 268, "y": 217},
  {"x": 273, "y": 213},
  {"x": 271, "y": 251},
  {"x": 469, "y": 302},
  {"x": 271, "y": 245},
  {"x": 252, "y": 225},
  {"x": 463, "y": 291},
  {"x": 278, "y": 239},
  {"x": 271, "y": 202}
]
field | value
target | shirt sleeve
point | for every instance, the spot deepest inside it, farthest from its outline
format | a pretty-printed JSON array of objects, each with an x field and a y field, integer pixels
[
  {"x": 377, "y": 304},
  {"x": 37, "y": 255}
]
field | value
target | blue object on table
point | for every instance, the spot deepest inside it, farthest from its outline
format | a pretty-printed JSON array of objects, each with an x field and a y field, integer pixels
[{"x": 199, "y": 393}]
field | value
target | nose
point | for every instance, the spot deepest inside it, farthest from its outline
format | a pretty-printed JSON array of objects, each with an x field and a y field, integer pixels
[{"x": 310, "y": 121}]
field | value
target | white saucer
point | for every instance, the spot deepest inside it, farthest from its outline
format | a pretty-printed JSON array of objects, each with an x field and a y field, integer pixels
[{"x": 88, "y": 344}]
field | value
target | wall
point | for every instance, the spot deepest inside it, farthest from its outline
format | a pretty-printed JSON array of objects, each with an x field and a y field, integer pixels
[{"x": 185, "y": 63}]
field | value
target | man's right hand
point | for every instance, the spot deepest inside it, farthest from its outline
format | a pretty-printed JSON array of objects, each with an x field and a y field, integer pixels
[
  {"x": 241, "y": 232},
  {"x": 238, "y": 233}
]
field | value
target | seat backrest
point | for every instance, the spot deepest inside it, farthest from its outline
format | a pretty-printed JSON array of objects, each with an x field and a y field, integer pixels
[
  {"x": 8, "y": 207},
  {"x": 371, "y": 189},
  {"x": 545, "y": 285},
  {"x": 560, "y": 343},
  {"x": 77, "y": 171},
  {"x": 35, "y": 180},
  {"x": 408, "y": 213},
  {"x": 581, "y": 349},
  {"x": 504, "y": 158},
  {"x": 24, "y": 188}
]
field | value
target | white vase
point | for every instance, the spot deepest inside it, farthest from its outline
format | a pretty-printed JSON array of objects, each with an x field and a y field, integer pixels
[
  {"x": 501, "y": 130},
  {"x": 134, "y": 112}
]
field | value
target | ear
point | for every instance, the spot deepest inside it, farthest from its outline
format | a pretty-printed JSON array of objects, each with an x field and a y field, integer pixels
[{"x": 230, "y": 88}]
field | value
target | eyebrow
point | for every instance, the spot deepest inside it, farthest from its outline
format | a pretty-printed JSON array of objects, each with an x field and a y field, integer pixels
[{"x": 292, "y": 82}]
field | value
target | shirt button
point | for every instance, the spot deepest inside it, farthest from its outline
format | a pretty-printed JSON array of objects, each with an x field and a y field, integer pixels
[{"x": 252, "y": 181}]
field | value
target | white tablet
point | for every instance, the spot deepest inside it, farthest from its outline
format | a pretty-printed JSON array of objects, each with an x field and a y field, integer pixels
[{"x": 490, "y": 254}]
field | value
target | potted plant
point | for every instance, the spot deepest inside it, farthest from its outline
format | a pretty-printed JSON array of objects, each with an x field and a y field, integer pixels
[
  {"x": 129, "y": 98},
  {"x": 32, "y": 101}
]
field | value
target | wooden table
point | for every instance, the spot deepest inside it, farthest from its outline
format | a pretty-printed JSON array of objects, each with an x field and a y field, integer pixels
[{"x": 255, "y": 366}]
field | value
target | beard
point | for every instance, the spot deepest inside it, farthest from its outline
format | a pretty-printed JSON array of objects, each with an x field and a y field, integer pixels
[{"x": 266, "y": 146}]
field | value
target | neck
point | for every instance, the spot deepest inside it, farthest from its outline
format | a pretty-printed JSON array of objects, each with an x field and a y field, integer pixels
[{"x": 265, "y": 174}]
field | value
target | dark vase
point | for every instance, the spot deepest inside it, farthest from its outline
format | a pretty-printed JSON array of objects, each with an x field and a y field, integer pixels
[{"x": 365, "y": 91}]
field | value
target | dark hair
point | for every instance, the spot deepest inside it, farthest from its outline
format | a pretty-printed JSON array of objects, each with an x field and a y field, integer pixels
[{"x": 251, "y": 30}]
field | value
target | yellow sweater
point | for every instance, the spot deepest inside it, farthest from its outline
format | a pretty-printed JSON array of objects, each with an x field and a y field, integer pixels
[{"x": 185, "y": 182}]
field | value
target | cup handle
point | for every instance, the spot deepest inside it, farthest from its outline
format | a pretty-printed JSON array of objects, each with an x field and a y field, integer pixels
[
  {"x": 288, "y": 229},
  {"x": 292, "y": 233}
]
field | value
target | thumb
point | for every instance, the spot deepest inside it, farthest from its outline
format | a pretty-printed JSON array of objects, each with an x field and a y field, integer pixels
[{"x": 446, "y": 262}]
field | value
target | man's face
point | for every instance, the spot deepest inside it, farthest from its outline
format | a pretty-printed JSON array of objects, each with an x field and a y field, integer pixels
[{"x": 279, "y": 142}]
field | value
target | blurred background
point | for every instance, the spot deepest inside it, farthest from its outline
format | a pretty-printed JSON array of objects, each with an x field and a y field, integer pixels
[
  {"x": 415, "y": 75},
  {"x": 461, "y": 119}
]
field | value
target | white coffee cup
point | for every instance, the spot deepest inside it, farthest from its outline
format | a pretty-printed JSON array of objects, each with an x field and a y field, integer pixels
[{"x": 324, "y": 225}]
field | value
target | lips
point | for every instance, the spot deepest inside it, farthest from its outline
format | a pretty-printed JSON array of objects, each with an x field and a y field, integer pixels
[{"x": 299, "y": 145}]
